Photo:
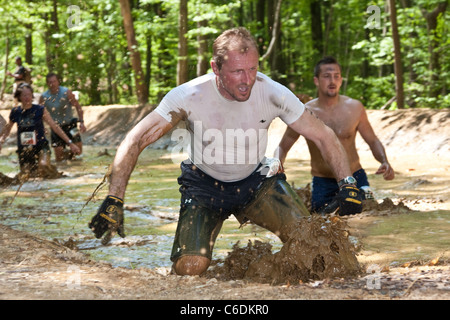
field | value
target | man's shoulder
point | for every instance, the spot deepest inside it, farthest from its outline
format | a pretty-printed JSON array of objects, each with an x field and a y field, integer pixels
[
  {"x": 198, "y": 80},
  {"x": 63, "y": 90},
  {"x": 348, "y": 101},
  {"x": 312, "y": 103},
  {"x": 45, "y": 94}
]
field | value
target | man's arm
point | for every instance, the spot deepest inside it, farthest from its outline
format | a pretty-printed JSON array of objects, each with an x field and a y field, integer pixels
[
  {"x": 287, "y": 141},
  {"x": 378, "y": 151},
  {"x": 77, "y": 105},
  {"x": 147, "y": 131},
  {"x": 312, "y": 128},
  {"x": 57, "y": 129}
]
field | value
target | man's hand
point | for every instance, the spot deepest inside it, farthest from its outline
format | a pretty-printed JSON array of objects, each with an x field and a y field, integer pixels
[
  {"x": 271, "y": 167},
  {"x": 348, "y": 201},
  {"x": 109, "y": 218},
  {"x": 386, "y": 170}
]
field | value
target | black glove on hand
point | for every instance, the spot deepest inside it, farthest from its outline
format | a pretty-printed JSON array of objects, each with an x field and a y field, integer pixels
[
  {"x": 348, "y": 201},
  {"x": 109, "y": 218}
]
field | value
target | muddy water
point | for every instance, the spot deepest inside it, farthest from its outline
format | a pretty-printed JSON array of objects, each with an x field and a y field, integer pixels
[{"x": 385, "y": 236}]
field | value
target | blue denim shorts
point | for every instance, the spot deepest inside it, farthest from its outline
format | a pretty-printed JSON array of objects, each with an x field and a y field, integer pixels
[{"x": 323, "y": 190}]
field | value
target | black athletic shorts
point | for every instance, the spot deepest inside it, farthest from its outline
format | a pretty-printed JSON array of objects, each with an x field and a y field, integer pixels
[
  {"x": 206, "y": 203},
  {"x": 68, "y": 129}
]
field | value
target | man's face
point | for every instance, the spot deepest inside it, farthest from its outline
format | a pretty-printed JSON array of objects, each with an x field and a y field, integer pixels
[
  {"x": 53, "y": 83},
  {"x": 329, "y": 81},
  {"x": 238, "y": 74}
]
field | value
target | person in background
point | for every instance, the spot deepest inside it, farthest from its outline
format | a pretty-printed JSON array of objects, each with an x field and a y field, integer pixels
[
  {"x": 32, "y": 146},
  {"x": 58, "y": 101},
  {"x": 346, "y": 116},
  {"x": 18, "y": 75}
]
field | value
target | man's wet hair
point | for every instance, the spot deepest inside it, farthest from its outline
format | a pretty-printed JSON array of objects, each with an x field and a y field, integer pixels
[
  {"x": 232, "y": 39},
  {"x": 325, "y": 60}
]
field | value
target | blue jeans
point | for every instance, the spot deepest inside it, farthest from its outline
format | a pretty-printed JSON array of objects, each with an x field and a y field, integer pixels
[{"x": 323, "y": 190}]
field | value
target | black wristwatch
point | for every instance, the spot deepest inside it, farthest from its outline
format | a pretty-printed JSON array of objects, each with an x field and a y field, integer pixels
[{"x": 347, "y": 180}]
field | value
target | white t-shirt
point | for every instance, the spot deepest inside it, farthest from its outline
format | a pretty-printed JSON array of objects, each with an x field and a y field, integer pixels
[{"x": 228, "y": 139}]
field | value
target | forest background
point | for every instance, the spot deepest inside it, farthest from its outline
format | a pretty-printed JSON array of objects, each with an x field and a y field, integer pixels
[{"x": 393, "y": 53}]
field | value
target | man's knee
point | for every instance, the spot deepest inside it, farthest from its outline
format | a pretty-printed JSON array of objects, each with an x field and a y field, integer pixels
[{"x": 191, "y": 265}]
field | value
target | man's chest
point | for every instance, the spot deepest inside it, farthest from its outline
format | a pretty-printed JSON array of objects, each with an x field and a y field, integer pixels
[{"x": 343, "y": 123}]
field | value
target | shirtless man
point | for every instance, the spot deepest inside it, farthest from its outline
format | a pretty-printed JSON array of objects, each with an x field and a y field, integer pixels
[
  {"x": 346, "y": 116},
  {"x": 222, "y": 177}
]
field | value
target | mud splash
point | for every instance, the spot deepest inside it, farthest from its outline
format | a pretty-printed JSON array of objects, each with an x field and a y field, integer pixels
[
  {"x": 45, "y": 172},
  {"x": 318, "y": 248}
]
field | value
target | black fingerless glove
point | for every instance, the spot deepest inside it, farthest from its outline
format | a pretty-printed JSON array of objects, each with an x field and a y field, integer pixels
[
  {"x": 348, "y": 201},
  {"x": 109, "y": 218}
]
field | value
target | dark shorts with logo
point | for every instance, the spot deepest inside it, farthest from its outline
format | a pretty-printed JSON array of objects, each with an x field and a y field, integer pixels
[
  {"x": 323, "y": 190},
  {"x": 71, "y": 130},
  {"x": 207, "y": 202}
]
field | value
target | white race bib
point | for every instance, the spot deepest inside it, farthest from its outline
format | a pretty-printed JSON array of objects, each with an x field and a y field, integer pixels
[{"x": 28, "y": 138}]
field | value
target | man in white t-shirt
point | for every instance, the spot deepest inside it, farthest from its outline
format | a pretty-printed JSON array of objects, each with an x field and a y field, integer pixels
[{"x": 227, "y": 115}]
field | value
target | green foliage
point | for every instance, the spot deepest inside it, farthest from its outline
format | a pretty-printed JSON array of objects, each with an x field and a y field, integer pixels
[{"x": 85, "y": 42}]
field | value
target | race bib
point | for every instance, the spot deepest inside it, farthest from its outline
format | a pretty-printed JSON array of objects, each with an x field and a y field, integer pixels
[{"x": 28, "y": 138}]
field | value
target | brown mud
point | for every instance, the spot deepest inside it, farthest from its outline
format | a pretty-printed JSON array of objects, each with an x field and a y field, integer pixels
[{"x": 318, "y": 248}]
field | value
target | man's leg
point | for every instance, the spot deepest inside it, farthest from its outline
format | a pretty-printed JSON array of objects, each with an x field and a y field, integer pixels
[
  {"x": 276, "y": 206},
  {"x": 195, "y": 236},
  {"x": 60, "y": 153}
]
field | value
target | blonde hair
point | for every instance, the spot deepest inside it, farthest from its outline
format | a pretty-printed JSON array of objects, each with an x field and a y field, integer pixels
[{"x": 232, "y": 39}]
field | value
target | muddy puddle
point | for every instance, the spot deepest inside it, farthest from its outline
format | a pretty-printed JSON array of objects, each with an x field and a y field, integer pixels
[{"x": 410, "y": 221}]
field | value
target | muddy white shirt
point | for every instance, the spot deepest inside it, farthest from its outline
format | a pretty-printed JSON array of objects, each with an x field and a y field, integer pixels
[{"x": 228, "y": 139}]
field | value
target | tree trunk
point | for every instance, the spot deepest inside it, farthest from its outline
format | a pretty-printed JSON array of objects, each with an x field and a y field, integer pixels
[
  {"x": 29, "y": 44},
  {"x": 51, "y": 45},
  {"x": 260, "y": 9},
  {"x": 329, "y": 19},
  {"x": 316, "y": 26},
  {"x": 182, "y": 65},
  {"x": 398, "y": 68},
  {"x": 275, "y": 31},
  {"x": 148, "y": 65},
  {"x": 202, "y": 62},
  {"x": 6, "y": 61},
  {"x": 141, "y": 88},
  {"x": 434, "y": 65}
]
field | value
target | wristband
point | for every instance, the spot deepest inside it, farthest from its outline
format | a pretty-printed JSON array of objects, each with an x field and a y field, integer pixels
[{"x": 346, "y": 181}]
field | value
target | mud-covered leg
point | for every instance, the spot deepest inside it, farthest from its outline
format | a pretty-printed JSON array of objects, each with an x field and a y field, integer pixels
[
  {"x": 276, "y": 207},
  {"x": 195, "y": 237}
]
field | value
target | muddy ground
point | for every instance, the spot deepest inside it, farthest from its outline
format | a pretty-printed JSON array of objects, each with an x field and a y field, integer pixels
[{"x": 35, "y": 268}]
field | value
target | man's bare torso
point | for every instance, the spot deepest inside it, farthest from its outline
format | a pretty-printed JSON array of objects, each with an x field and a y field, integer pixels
[{"x": 343, "y": 118}]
